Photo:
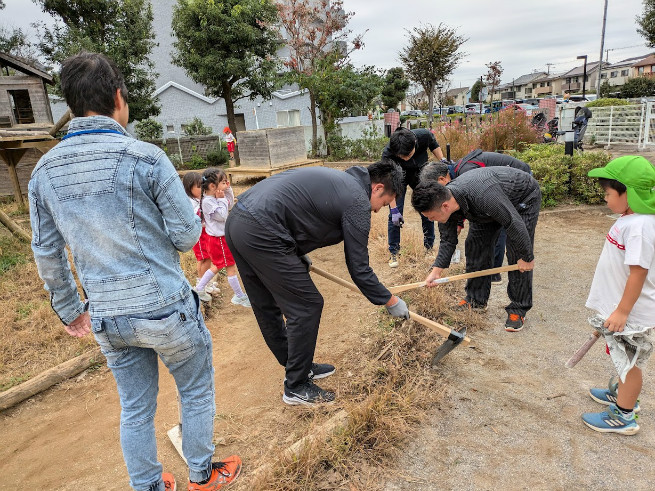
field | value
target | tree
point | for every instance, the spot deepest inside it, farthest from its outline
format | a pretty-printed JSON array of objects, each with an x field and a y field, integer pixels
[
  {"x": 647, "y": 23},
  {"x": 638, "y": 87},
  {"x": 416, "y": 97},
  {"x": 343, "y": 92},
  {"x": 314, "y": 30},
  {"x": 229, "y": 47},
  {"x": 196, "y": 127},
  {"x": 394, "y": 88},
  {"x": 492, "y": 79},
  {"x": 605, "y": 89},
  {"x": 431, "y": 56},
  {"x": 14, "y": 41},
  {"x": 121, "y": 29},
  {"x": 476, "y": 90},
  {"x": 149, "y": 129}
]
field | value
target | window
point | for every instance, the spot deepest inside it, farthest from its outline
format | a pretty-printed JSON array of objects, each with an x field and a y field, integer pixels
[
  {"x": 652, "y": 68},
  {"x": 528, "y": 91},
  {"x": 21, "y": 106},
  {"x": 640, "y": 70},
  {"x": 614, "y": 74},
  {"x": 170, "y": 128},
  {"x": 288, "y": 118},
  {"x": 183, "y": 128},
  {"x": 576, "y": 79},
  {"x": 542, "y": 84},
  {"x": 568, "y": 80},
  {"x": 603, "y": 76},
  {"x": 624, "y": 73}
]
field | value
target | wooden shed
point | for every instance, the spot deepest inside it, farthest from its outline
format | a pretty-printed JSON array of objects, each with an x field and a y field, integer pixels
[{"x": 25, "y": 116}]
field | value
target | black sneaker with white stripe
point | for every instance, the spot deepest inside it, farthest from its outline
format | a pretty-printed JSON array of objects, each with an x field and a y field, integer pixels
[
  {"x": 321, "y": 370},
  {"x": 306, "y": 394}
]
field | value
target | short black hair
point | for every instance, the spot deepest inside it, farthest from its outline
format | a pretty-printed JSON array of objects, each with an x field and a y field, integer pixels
[
  {"x": 617, "y": 186},
  {"x": 402, "y": 142},
  {"x": 89, "y": 82},
  {"x": 387, "y": 172},
  {"x": 433, "y": 171},
  {"x": 429, "y": 195}
]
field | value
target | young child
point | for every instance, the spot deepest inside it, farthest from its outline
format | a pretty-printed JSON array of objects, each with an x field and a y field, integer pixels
[
  {"x": 191, "y": 182},
  {"x": 230, "y": 140},
  {"x": 216, "y": 199},
  {"x": 623, "y": 289}
]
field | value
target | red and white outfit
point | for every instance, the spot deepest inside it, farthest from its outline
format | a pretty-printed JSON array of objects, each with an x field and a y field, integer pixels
[
  {"x": 201, "y": 249},
  {"x": 215, "y": 212},
  {"x": 230, "y": 140}
]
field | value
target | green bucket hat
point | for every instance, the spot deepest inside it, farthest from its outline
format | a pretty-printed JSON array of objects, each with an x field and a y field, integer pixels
[{"x": 638, "y": 175}]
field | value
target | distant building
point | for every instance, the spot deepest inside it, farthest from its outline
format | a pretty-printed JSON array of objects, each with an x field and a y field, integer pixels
[{"x": 182, "y": 99}]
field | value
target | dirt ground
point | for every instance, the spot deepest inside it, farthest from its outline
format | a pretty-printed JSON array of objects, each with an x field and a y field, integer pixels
[
  {"x": 510, "y": 418},
  {"x": 511, "y": 415}
]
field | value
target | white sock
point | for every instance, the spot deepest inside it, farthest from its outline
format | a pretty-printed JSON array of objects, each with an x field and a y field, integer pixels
[
  {"x": 206, "y": 278},
  {"x": 234, "y": 283}
]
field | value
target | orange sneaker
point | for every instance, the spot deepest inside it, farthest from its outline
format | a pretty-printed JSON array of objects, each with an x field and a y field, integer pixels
[
  {"x": 514, "y": 323},
  {"x": 464, "y": 305},
  {"x": 223, "y": 473},
  {"x": 169, "y": 481}
]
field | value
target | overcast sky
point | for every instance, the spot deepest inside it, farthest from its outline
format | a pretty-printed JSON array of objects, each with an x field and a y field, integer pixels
[{"x": 524, "y": 35}]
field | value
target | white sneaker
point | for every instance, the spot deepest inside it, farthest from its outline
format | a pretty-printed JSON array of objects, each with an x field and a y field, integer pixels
[
  {"x": 243, "y": 301},
  {"x": 203, "y": 295},
  {"x": 209, "y": 288},
  {"x": 393, "y": 261}
]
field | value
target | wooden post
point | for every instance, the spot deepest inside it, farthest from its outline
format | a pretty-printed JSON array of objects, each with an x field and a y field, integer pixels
[
  {"x": 15, "y": 229},
  {"x": 12, "y": 157}
]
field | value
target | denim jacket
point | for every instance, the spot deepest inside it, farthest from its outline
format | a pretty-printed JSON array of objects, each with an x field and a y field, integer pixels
[{"x": 119, "y": 205}]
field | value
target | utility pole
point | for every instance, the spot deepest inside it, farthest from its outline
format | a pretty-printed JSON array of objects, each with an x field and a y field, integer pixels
[
  {"x": 600, "y": 57},
  {"x": 549, "y": 65},
  {"x": 480, "y": 94}
]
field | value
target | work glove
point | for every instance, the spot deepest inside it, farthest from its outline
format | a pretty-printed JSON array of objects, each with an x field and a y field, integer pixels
[
  {"x": 396, "y": 217},
  {"x": 306, "y": 261},
  {"x": 399, "y": 309}
]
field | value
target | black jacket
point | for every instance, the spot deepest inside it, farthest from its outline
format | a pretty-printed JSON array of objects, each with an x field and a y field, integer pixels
[
  {"x": 318, "y": 207},
  {"x": 494, "y": 194},
  {"x": 425, "y": 141}
]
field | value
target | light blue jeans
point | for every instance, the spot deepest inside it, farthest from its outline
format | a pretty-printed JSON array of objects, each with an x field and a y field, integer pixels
[{"x": 177, "y": 334}]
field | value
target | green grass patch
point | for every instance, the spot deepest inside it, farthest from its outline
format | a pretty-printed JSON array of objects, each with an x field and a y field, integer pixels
[{"x": 12, "y": 253}]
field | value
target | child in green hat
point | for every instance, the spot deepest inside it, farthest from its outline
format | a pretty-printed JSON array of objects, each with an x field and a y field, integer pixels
[{"x": 623, "y": 290}]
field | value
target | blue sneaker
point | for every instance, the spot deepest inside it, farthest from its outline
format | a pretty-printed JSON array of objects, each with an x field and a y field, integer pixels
[
  {"x": 607, "y": 397},
  {"x": 611, "y": 421}
]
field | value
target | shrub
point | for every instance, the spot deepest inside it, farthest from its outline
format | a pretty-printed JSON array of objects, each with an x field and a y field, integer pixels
[
  {"x": 196, "y": 128},
  {"x": 508, "y": 130},
  {"x": 218, "y": 157},
  {"x": 461, "y": 139},
  {"x": 638, "y": 87},
  {"x": 561, "y": 177},
  {"x": 585, "y": 189},
  {"x": 148, "y": 129},
  {"x": 369, "y": 147},
  {"x": 196, "y": 162},
  {"x": 608, "y": 101}
]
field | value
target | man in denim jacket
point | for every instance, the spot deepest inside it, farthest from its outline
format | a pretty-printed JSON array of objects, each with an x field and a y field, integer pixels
[{"x": 119, "y": 205}]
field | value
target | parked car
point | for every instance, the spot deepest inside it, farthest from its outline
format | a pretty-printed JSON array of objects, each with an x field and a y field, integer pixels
[
  {"x": 526, "y": 108},
  {"x": 456, "y": 109}
]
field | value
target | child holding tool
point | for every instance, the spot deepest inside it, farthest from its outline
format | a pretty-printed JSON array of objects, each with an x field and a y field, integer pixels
[{"x": 623, "y": 290}]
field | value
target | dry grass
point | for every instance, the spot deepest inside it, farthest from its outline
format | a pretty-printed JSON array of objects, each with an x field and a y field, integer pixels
[
  {"x": 394, "y": 390},
  {"x": 33, "y": 338}
]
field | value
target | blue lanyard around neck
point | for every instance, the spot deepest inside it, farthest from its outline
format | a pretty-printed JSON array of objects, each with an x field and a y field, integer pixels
[{"x": 88, "y": 132}]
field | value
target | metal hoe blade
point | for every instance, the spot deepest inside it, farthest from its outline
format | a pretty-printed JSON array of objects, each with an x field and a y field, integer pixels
[{"x": 454, "y": 338}]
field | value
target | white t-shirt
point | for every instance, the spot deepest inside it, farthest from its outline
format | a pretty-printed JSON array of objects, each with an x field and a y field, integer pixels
[{"x": 630, "y": 242}]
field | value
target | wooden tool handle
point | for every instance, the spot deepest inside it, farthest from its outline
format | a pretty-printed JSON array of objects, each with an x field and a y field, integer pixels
[
  {"x": 441, "y": 329},
  {"x": 435, "y": 326},
  {"x": 593, "y": 337},
  {"x": 448, "y": 279},
  {"x": 336, "y": 279}
]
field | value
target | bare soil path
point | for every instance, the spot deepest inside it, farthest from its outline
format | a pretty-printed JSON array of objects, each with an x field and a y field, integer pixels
[{"x": 511, "y": 416}]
